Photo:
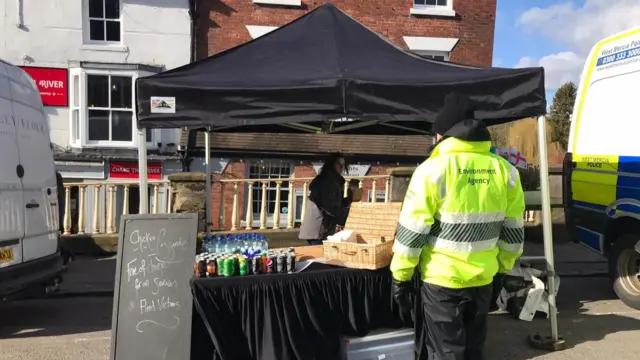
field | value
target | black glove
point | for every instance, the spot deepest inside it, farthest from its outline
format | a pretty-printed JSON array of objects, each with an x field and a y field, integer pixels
[{"x": 402, "y": 294}]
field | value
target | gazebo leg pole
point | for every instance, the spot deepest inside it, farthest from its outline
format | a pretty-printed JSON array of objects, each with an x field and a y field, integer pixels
[
  {"x": 142, "y": 171},
  {"x": 207, "y": 184},
  {"x": 553, "y": 342}
]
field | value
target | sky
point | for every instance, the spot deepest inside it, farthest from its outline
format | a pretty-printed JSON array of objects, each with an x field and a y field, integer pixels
[{"x": 557, "y": 34}]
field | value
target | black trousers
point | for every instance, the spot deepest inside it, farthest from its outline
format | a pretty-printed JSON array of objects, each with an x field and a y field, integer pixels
[{"x": 455, "y": 321}]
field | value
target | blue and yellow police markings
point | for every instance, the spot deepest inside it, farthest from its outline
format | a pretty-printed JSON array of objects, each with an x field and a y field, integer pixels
[
  {"x": 598, "y": 181},
  {"x": 594, "y": 179},
  {"x": 628, "y": 186},
  {"x": 629, "y": 164}
]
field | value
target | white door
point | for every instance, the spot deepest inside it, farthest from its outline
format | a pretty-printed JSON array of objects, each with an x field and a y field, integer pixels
[
  {"x": 11, "y": 206},
  {"x": 38, "y": 181}
]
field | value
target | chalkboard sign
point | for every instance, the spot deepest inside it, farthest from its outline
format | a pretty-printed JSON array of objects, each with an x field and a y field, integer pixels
[{"x": 152, "y": 303}]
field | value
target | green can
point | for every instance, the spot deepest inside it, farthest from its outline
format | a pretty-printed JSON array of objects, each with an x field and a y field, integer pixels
[
  {"x": 229, "y": 267},
  {"x": 236, "y": 265},
  {"x": 243, "y": 267},
  {"x": 220, "y": 266}
]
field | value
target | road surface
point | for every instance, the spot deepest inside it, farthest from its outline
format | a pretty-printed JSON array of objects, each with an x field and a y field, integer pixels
[{"x": 56, "y": 329}]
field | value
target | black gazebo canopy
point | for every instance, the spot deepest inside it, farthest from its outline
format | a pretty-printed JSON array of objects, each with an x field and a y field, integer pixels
[{"x": 326, "y": 66}]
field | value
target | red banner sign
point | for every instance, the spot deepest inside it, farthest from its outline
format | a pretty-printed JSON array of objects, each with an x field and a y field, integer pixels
[
  {"x": 129, "y": 170},
  {"x": 52, "y": 84}
]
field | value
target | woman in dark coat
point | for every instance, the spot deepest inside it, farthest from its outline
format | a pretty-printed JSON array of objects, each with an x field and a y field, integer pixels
[{"x": 327, "y": 207}]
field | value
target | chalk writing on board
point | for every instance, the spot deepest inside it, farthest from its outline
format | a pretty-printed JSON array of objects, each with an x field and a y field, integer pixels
[
  {"x": 161, "y": 304},
  {"x": 170, "y": 327},
  {"x": 158, "y": 246},
  {"x": 153, "y": 301},
  {"x": 160, "y": 283},
  {"x": 156, "y": 252}
]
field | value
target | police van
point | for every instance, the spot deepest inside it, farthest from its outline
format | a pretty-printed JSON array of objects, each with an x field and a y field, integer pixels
[
  {"x": 29, "y": 246},
  {"x": 602, "y": 164}
]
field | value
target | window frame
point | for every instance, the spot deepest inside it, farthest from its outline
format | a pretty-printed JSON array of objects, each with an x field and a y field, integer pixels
[
  {"x": 298, "y": 195},
  {"x": 379, "y": 199},
  {"x": 278, "y": 2},
  {"x": 429, "y": 53},
  {"x": 79, "y": 129},
  {"x": 86, "y": 26},
  {"x": 257, "y": 187},
  {"x": 418, "y": 6},
  {"x": 435, "y": 10}
]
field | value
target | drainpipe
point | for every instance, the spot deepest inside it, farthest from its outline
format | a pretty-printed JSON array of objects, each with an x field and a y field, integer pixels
[
  {"x": 19, "y": 14},
  {"x": 194, "y": 6}
]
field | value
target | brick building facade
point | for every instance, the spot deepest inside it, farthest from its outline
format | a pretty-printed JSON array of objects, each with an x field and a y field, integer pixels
[
  {"x": 256, "y": 156},
  {"x": 461, "y": 31},
  {"x": 221, "y": 211},
  {"x": 454, "y": 30}
]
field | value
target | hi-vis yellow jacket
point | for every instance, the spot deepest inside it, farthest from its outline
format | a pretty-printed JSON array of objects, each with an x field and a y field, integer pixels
[{"x": 462, "y": 217}]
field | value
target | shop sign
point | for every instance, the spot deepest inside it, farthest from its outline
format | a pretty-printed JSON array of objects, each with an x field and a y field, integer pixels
[
  {"x": 52, "y": 84},
  {"x": 129, "y": 170},
  {"x": 354, "y": 170},
  {"x": 80, "y": 169}
]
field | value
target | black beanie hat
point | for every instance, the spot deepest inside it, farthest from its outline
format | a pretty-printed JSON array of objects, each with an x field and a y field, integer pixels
[{"x": 456, "y": 109}]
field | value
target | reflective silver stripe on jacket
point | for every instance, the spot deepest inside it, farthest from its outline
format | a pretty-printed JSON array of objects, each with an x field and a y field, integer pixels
[{"x": 512, "y": 235}]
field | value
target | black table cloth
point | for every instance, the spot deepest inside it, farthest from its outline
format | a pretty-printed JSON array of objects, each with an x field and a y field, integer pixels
[{"x": 287, "y": 317}]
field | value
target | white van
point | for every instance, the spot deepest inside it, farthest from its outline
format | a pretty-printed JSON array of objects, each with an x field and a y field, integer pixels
[
  {"x": 602, "y": 165},
  {"x": 29, "y": 245}
]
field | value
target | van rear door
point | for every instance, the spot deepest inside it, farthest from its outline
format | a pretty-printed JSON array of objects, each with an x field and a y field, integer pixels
[
  {"x": 39, "y": 179},
  {"x": 11, "y": 203}
]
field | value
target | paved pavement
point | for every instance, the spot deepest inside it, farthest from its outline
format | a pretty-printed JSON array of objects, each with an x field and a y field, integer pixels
[{"x": 594, "y": 323}]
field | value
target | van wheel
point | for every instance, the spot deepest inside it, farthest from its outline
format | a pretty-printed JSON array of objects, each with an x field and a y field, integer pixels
[{"x": 624, "y": 267}]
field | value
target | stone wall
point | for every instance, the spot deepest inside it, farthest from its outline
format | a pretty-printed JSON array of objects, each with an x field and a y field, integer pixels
[{"x": 188, "y": 195}]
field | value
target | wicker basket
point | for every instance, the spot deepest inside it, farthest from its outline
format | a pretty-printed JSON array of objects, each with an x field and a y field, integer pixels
[{"x": 375, "y": 225}]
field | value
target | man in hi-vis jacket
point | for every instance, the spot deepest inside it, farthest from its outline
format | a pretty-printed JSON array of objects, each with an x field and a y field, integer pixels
[{"x": 462, "y": 224}]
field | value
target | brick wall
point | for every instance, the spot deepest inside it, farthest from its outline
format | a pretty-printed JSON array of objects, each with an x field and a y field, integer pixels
[
  {"x": 237, "y": 170},
  {"x": 474, "y": 25}
]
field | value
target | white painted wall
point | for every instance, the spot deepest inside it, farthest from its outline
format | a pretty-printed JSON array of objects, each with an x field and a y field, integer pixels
[{"x": 154, "y": 32}]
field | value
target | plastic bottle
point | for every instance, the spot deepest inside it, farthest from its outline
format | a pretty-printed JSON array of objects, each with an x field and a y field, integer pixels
[
  {"x": 237, "y": 246},
  {"x": 212, "y": 244},
  {"x": 205, "y": 244},
  {"x": 255, "y": 243},
  {"x": 264, "y": 244},
  {"x": 246, "y": 245},
  {"x": 209, "y": 242},
  {"x": 203, "y": 248},
  {"x": 220, "y": 245},
  {"x": 229, "y": 244}
]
